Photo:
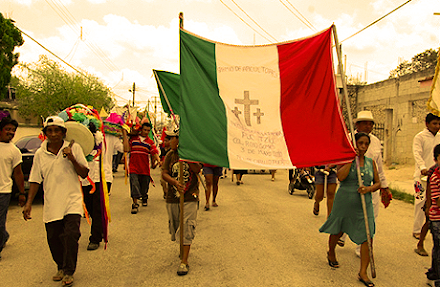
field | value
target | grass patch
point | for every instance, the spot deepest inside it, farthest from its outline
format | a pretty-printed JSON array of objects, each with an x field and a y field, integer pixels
[{"x": 400, "y": 195}]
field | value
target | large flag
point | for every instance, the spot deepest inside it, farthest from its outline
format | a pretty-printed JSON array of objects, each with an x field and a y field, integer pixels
[
  {"x": 170, "y": 83},
  {"x": 434, "y": 99},
  {"x": 251, "y": 107}
]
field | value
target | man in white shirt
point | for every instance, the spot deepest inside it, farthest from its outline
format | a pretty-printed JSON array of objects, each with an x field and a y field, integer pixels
[
  {"x": 93, "y": 200},
  {"x": 10, "y": 163},
  {"x": 59, "y": 163},
  {"x": 423, "y": 146}
]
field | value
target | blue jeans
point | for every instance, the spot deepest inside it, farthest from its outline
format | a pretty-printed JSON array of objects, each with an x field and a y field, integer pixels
[
  {"x": 139, "y": 185},
  {"x": 5, "y": 198}
]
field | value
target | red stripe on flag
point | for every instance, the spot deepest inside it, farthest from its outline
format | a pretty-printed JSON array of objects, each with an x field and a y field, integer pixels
[{"x": 312, "y": 123}]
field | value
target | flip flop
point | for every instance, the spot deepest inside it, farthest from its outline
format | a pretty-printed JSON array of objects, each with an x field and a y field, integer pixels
[
  {"x": 333, "y": 264},
  {"x": 315, "y": 210},
  {"x": 421, "y": 252},
  {"x": 366, "y": 283},
  {"x": 341, "y": 242}
]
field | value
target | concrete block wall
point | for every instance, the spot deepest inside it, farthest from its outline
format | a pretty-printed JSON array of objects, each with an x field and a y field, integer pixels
[{"x": 406, "y": 98}]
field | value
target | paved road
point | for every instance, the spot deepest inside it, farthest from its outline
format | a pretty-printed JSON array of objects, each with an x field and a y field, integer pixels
[{"x": 258, "y": 236}]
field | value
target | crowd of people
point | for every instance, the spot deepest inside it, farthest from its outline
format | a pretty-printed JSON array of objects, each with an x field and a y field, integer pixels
[{"x": 58, "y": 164}]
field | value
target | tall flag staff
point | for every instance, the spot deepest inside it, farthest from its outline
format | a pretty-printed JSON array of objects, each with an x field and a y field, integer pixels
[
  {"x": 182, "y": 193},
  {"x": 350, "y": 119},
  {"x": 167, "y": 102}
]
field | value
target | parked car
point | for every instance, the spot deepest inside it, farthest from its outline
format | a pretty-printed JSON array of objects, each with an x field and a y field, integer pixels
[{"x": 28, "y": 146}]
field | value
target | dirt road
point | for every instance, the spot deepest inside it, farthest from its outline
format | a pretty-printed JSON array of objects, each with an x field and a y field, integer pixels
[{"x": 258, "y": 236}]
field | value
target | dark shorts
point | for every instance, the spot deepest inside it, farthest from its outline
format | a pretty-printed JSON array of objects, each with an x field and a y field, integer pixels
[
  {"x": 319, "y": 177},
  {"x": 216, "y": 171}
]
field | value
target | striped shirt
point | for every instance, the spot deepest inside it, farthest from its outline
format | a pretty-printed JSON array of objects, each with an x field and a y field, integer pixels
[
  {"x": 141, "y": 149},
  {"x": 434, "y": 210}
]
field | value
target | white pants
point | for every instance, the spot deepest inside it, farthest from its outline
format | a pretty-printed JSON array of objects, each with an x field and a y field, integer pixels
[{"x": 419, "y": 202}]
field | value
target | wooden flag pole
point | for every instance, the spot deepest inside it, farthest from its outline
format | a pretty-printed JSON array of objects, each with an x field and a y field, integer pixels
[
  {"x": 174, "y": 116},
  {"x": 182, "y": 193},
  {"x": 350, "y": 119}
]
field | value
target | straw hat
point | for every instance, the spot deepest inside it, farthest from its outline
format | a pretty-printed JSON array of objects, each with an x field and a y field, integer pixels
[
  {"x": 364, "y": 116},
  {"x": 82, "y": 136}
]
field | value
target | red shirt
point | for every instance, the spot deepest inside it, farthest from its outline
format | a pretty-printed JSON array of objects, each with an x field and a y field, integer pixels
[
  {"x": 139, "y": 155},
  {"x": 434, "y": 182}
]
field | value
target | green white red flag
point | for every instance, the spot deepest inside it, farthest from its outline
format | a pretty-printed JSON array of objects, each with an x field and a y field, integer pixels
[{"x": 250, "y": 107}]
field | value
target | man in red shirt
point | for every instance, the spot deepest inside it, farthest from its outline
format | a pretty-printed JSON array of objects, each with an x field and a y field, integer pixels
[{"x": 141, "y": 148}]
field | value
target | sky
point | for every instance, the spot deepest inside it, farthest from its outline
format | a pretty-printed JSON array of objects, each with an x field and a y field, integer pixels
[{"x": 121, "y": 41}]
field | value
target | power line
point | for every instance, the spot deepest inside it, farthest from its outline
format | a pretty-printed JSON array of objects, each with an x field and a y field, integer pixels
[
  {"x": 308, "y": 24},
  {"x": 254, "y": 21},
  {"x": 61, "y": 10},
  {"x": 245, "y": 22},
  {"x": 52, "y": 53},
  {"x": 377, "y": 20}
]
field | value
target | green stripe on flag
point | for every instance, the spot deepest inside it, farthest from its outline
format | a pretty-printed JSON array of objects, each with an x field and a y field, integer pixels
[
  {"x": 201, "y": 106},
  {"x": 171, "y": 85}
]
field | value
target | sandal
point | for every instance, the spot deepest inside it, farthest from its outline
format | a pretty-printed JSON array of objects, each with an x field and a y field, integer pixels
[
  {"x": 316, "y": 209},
  {"x": 67, "y": 280},
  {"x": 214, "y": 204},
  {"x": 366, "y": 283},
  {"x": 341, "y": 242},
  {"x": 59, "y": 276},
  {"x": 333, "y": 264},
  {"x": 206, "y": 207},
  {"x": 421, "y": 252}
]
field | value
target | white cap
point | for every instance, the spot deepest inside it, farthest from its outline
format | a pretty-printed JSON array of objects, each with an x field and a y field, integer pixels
[{"x": 54, "y": 121}]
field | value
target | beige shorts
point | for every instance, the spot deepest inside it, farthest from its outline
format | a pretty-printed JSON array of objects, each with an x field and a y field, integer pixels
[{"x": 189, "y": 221}]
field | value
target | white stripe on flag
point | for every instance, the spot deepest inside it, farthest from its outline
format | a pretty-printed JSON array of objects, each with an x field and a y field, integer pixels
[{"x": 249, "y": 85}]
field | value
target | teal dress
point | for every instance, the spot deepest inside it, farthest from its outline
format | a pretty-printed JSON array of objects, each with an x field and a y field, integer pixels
[{"x": 347, "y": 215}]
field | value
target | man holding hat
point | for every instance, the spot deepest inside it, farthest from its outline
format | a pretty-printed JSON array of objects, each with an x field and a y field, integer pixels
[{"x": 59, "y": 163}]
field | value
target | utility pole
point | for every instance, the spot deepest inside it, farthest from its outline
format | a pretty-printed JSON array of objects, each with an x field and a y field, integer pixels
[{"x": 133, "y": 90}]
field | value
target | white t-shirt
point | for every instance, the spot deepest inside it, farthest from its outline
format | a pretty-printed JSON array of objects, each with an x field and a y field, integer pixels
[
  {"x": 10, "y": 157},
  {"x": 62, "y": 188}
]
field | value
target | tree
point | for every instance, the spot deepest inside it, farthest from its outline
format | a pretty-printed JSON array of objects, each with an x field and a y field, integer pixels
[
  {"x": 423, "y": 61},
  {"x": 45, "y": 89},
  {"x": 10, "y": 37}
]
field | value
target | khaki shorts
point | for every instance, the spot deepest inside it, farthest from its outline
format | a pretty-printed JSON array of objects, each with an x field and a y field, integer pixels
[{"x": 189, "y": 221}]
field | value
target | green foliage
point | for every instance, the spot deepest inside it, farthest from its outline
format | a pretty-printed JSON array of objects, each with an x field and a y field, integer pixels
[
  {"x": 10, "y": 37},
  {"x": 45, "y": 89},
  {"x": 420, "y": 62},
  {"x": 400, "y": 195}
]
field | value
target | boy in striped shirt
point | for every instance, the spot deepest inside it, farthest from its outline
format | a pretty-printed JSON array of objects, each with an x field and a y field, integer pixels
[{"x": 433, "y": 196}]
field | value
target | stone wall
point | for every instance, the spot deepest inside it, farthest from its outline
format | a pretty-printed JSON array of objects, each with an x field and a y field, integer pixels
[{"x": 400, "y": 104}]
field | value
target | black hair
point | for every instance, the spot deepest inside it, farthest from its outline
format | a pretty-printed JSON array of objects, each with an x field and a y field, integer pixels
[
  {"x": 359, "y": 135},
  {"x": 430, "y": 117},
  {"x": 170, "y": 137},
  {"x": 436, "y": 151},
  {"x": 8, "y": 121},
  {"x": 146, "y": 125},
  {"x": 63, "y": 129}
]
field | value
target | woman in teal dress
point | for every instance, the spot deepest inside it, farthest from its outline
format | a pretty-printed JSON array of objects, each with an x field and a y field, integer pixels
[{"x": 347, "y": 215}]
